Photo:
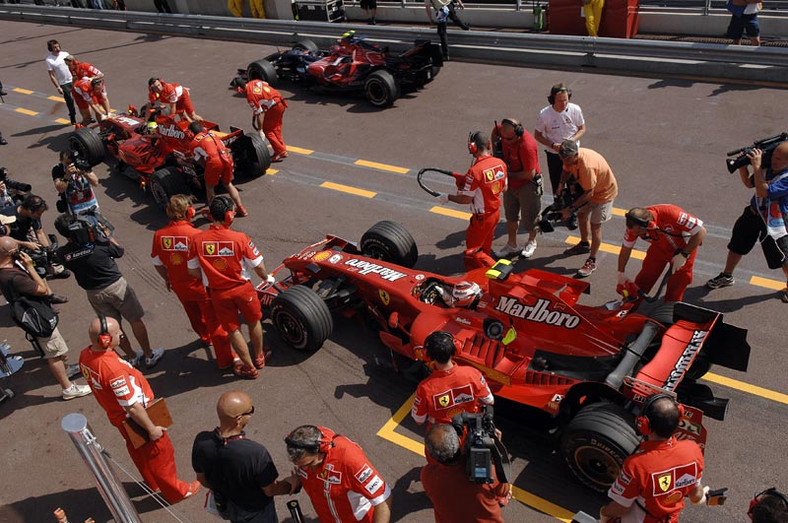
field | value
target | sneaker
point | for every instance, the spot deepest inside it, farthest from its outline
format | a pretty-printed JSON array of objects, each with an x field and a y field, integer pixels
[
  {"x": 508, "y": 250},
  {"x": 721, "y": 280},
  {"x": 3, "y": 141},
  {"x": 156, "y": 355},
  {"x": 72, "y": 371},
  {"x": 57, "y": 299},
  {"x": 529, "y": 249},
  {"x": 75, "y": 391},
  {"x": 136, "y": 360},
  {"x": 579, "y": 248},
  {"x": 59, "y": 273},
  {"x": 588, "y": 267}
]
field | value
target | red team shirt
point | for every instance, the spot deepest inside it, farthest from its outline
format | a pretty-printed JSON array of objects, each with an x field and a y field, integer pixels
[
  {"x": 171, "y": 245},
  {"x": 658, "y": 476},
  {"x": 115, "y": 383},
  {"x": 345, "y": 487},
  {"x": 224, "y": 256},
  {"x": 485, "y": 181},
  {"x": 446, "y": 393},
  {"x": 676, "y": 226},
  {"x": 521, "y": 155},
  {"x": 261, "y": 96},
  {"x": 84, "y": 93},
  {"x": 170, "y": 93},
  {"x": 83, "y": 69}
]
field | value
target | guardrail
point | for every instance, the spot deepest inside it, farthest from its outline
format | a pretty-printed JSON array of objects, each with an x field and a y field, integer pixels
[{"x": 638, "y": 56}]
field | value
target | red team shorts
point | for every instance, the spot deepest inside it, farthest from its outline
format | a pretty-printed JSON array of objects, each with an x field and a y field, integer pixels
[
  {"x": 215, "y": 171},
  {"x": 228, "y": 302}
]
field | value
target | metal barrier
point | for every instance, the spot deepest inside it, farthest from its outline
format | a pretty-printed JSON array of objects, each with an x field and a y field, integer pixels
[{"x": 642, "y": 56}]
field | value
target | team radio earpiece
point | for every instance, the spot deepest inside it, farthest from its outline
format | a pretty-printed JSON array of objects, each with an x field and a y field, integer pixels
[
  {"x": 519, "y": 130},
  {"x": 472, "y": 147},
  {"x": 104, "y": 337},
  {"x": 647, "y": 224},
  {"x": 313, "y": 447},
  {"x": 435, "y": 339},
  {"x": 768, "y": 492},
  {"x": 642, "y": 422},
  {"x": 555, "y": 90},
  {"x": 190, "y": 213}
]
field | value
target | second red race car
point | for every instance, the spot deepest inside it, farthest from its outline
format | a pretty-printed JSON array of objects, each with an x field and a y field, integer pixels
[
  {"x": 589, "y": 367},
  {"x": 159, "y": 156}
]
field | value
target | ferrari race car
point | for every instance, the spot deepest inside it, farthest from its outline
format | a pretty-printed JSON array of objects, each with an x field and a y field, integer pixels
[
  {"x": 352, "y": 65},
  {"x": 162, "y": 160},
  {"x": 591, "y": 368}
]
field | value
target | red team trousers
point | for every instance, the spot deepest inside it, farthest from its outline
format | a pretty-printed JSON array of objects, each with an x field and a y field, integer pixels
[
  {"x": 481, "y": 231},
  {"x": 156, "y": 462},
  {"x": 272, "y": 127},
  {"x": 204, "y": 322},
  {"x": 657, "y": 257}
]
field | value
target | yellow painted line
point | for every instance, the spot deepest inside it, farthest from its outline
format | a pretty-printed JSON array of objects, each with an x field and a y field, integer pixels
[
  {"x": 348, "y": 189},
  {"x": 451, "y": 213},
  {"x": 608, "y": 247},
  {"x": 26, "y": 111},
  {"x": 63, "y": 121},
  {"x": 746, "y": 387},
  {"x": 271, "y": 171},
  {"x": 56, "y": 99},
  {"x": 299, "y": 150},
  {"x": 22, "y": 91},
  {"x": 619, "y": 212},
  {"x": 387, "y": 432},
  {"x": 768, "y": 283},
  {"x": 382, "y": 166}
]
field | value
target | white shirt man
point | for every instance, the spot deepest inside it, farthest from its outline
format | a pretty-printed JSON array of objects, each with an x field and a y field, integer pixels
[{"x": 60, "y": 75}]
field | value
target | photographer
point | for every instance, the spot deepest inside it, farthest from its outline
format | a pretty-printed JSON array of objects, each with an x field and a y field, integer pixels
[
  {"x": 28, "y": 225},
  {"x": 18, "y": 278},
  {"x": 74, "y": 181},
  {"x": 763, "y": 219},
  {"x": 445, "y": 479},
  {"x": 94, "y": 266},
  {"x": 11, "y": 192}
]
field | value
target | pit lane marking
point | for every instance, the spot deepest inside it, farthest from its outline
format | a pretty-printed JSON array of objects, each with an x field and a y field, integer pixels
[
  {"x": 382, "y": 166},
  {"x": 26, "y": 111},
  {"x": 56, "y": 99},
  {"x": 24, "y": 91},
  {"x": 453, "y": 213},
  {"x": 746, "y": 387},
  {"x": 299, "y": 150},
  {"x": 63, "y": 121},
  {"x": 348, "y": 189},
  {"x": 768, "y": 283},
  {"x": 388, "y": 432}
]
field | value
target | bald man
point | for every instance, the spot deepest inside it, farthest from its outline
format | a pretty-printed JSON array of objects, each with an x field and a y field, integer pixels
[
  {"x": 239, "y": 471},
  {"x": 123, "y": 392},
  {"x": 18, "y": 278}
]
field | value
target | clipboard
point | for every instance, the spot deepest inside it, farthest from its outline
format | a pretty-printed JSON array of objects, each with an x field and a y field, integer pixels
[{"x": 158, "y": 413}]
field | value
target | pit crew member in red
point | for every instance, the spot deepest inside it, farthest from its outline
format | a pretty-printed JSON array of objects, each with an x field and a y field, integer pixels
[
  {"x": 675, "y": 236},
  {"x": 123, "y": 392},
  {"x": 223, "y": 258},
  {"x": 175, "y": 96},
  {"x": 268, "y": 109},
  {"x": 484, "y": 182},
  {"x": 87, "y": 93},
  {"x": 661, "y": 472},
  {"x": 170, "y": 253},
  {"x": 339, "y": 479},
  {"x": 85, "y": 70},
  {"x": 451, "y": 388},
  {"x": 210, "y": 152}
]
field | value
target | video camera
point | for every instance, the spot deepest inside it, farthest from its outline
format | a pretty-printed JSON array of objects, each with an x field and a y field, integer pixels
[
  {"x": 11, "y": 184},
  {"x": 767, "y": 145},
  {"x": 551, "y": 216},
  {"x": 482, "y": 447},
  {"x": 44, "y": 257},
  {"x": 89, "y": 227}
]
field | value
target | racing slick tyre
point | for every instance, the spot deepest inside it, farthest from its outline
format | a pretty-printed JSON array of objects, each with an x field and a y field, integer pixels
[
  {"x": 664, "y": 314},
  {"x": 381, "y": 88},
  {"x": 596, "y": 441},
  {"x": 263, "y": 70},
  {"x": 87, "y": 144},
  {"x": 390, "y": 242},
  {"x": 305, "y": 44},
  {"x": 166, "y": 182},
  {"x": 252, "y": 157},
  {"x": 302, "y": 318}
]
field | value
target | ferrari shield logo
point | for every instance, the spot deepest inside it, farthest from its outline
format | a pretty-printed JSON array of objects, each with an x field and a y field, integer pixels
[
  {"x": 489, "y": 174},
  {"x": 166, "y": 242},
  {"x": 257, "y": 89},
  {"x": 444, "y": 400},
  {"x": 384, "y": 297},
  {"x": 664, "y": 482},
  {"x": 210, "y": 248}
]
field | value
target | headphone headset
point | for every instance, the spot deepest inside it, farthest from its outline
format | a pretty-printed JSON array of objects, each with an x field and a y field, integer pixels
[
  {"x": 190, "y": 213},
  {"x": 643, "y": 423},
  {"x": 435, "y": 337},
  {"x": 555, "y": 90},
  {"x": 104, "y": 337},
  {"x": 223, "y": 206},
  {"x": 768, "y": 492},
  {"x": 50, "y": 43},
  {"x": 648, "y": 224},
  {"x": 472, "y": 147},
  {"x": 313, "y": 447},
  {"x": 519, "y": 130}
]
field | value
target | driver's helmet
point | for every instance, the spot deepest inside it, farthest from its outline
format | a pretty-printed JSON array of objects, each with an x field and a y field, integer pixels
[
  {"x": 465, "y": 293},
  {"x": 347, "y": 38},
  {"x": 152, "y": 127}
]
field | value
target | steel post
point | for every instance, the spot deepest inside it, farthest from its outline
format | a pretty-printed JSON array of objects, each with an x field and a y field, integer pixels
[{"x": 111, "y": 489}]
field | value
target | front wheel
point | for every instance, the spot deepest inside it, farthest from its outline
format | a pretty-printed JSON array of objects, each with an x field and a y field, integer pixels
[
  {"x": 251, "y": 156},
  {"x": 596, "y": 441},
  {"x": 88, "y": 145},
  {"x": 165, "y": 183},
  {"x": 381, "y": 88},
  {"x": 302, "y": 318},
  {"x": 262, "y": 70},
  {"x": 391, "y": 242}
]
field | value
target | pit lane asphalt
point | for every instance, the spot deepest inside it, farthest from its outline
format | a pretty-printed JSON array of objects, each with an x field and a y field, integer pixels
[{"x": 664, "y": 138}]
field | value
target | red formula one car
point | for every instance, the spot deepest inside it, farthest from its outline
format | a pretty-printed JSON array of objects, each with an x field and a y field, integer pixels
[
  {"x": 161, "y": 160},
  {"x": 589, "y": 367},
  {"x": 351, "y": 65}
]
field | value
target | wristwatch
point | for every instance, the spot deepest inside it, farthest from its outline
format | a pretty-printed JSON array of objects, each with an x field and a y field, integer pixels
[{"x": 685, "y": 254}]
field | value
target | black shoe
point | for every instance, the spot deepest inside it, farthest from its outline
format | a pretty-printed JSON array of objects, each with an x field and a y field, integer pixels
[
  {"x": 3, "y": 93},
  {"x": 92, "y": 120},
  {"x": 373, "y": 22},
  {"x": 3, "y": 141},
  {"x": 73, "y": 120},
  {"x": 56, "y": 299},
  {"x": 62, "y": 275}
]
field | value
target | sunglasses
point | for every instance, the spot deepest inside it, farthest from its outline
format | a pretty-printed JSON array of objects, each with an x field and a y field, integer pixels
[{"x": 247, "y": 413}]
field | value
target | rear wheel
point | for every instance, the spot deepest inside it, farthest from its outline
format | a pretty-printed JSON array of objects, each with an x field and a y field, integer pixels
[
  {"x": 305, "y": 44},
  {"x": 252, "y": 157},
  {"x": 88, "y": 145},
  {"x": 302, "y": 318},
  {"x": 390, "y": 242},
  {"x": 165, "y": 183},
  {"x": 262, "y": 70},
  {"x": 596, "y": 441},
  {"x": 381, "y": 88}
]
